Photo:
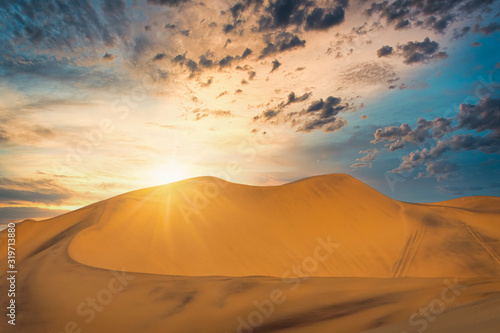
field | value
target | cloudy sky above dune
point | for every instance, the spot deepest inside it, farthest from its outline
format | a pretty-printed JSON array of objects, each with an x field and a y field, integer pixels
[{"x": 103, "y": 97}]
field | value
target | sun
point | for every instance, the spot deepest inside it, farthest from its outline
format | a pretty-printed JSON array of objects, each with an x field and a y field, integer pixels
[{"x": 169, "y": 173}]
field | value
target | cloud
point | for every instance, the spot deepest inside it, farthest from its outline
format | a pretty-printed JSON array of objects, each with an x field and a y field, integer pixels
[
  {"x": 442, "y": 170},
  {"x": 44, "y": 191},
  {"x": 292, "y": 98},
  {"x": 460, "y": 190},
  {"x": 108, "y": 57},
  {"x": 398, "y": 144},
  {"x": 198, "y": 114},
  {"x": 246, "y": 53},
  {"x": 209, "y": 82},
  {"x": 421, "y": 52},
  {"x": 228, "y": 28},
  {"x": 327, "y": 125},
  {"x": 278, "y": 109},
  {"x": 460, "y": 33},
  {"x": 302, "y": 14},
  {"x": 368, "y": 73},
  {"x": 276, "y": 65},
  {"x": 8, "y": 214},
  {"x": 429, "y": 14},
  {"x": 384, "y": 51},
  {"x": 371, "y": 155},
  {"x": 425, "y": 129},
  {"x": 320, "y": 19},
  {"x": 482, "y": 118},
  {"x": 52, "y": 26},
  {"x": 281, "y": 43},
  {"x": 225, "y": 92},
  {"x": 488, "y": 29},
  {"x": 321, "y": 114},
  {"x": 361, "y": 165},
  {"x": 161, "y": 56}
]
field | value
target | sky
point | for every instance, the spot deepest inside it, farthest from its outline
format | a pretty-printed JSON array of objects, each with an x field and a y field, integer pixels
[{"x": 98, "y": 98}]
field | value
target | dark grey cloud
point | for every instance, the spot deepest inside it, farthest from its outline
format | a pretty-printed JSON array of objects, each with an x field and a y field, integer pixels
[
  {"x": 182, "y": 60},
  {"x": 402, "y": 24},
  {"x": 460, "y": 33},
  {"x": 278, "y": 109},
  {"x": 226, "y": 61},
  {"x": 384, "y": 51},
  {"x": 487, "y": 29},
  {"x": 246, "y": 53},
  {"x": 441, "y": 170},
  {"x": 322, "y": 114},
  {"x": 321, "y": 19},
  {"x": 292, "y": 98},
  {"x": 429, "y": 14},
  {"x": 276, "y": 65},
  {"x": 421, "y": 52},
  {"x": 161, "y": 56},
  {"x": 44, "y": 191},
  {"x": 304, "y": 14},
  {"x": 228, "y": 28},
  {"x": 425, "y": 129},
  {"x": 327, "y": 125},
  {"x": 205, "y": 62},
  {"x": 483, "y": 118},
  {"x": 281, "y": 43},
  {"x": 268, "y": 114},
  {"x": 108, "y": 57}
]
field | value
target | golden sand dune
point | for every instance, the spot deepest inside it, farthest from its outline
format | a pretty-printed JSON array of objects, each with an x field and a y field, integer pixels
[
  {"x": 205, "y": 226},
  {"x": 325, "y": 254}
]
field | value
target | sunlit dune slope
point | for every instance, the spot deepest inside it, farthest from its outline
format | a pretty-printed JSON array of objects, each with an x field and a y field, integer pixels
[{"x": 206, "y": 226}]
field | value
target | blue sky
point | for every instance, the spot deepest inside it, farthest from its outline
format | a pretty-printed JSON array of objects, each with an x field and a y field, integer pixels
[{"x": 104, "y": 97}]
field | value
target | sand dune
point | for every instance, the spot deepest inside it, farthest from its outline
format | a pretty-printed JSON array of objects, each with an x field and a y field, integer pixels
[
  {"x": 325, "y": 254},
  {"x": 238, "y": 230}
]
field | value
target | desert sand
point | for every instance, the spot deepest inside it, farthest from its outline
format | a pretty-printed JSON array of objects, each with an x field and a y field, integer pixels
[{"x": 324, "y": 254}]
